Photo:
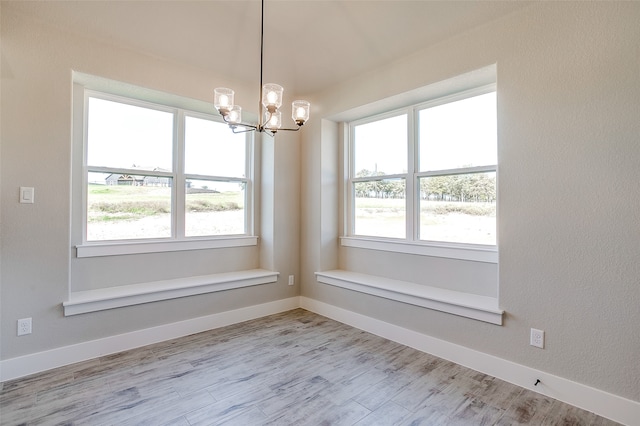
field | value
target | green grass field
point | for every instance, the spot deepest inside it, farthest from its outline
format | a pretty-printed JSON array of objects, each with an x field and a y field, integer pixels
[{"x": 123, "y": 202}]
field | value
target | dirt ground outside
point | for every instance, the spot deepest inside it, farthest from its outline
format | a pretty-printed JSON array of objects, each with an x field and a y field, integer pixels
[{"x": 229, "y": 222}]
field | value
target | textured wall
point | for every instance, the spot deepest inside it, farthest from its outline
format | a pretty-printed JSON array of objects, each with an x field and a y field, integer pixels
[
  {"x": 37, "y": 64},
  {"x": 569, "y": 167}
]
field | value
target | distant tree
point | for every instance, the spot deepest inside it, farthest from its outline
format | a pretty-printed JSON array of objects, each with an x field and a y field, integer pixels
[{"x": 473, "y": 187}]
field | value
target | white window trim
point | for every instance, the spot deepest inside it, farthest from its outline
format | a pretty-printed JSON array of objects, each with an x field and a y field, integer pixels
[
  {"x": 159, "y": 246},
  {"x": 87, "y": 85},
  {"x": 471, "y": 252},
  {"x": 412, "y": 244}
]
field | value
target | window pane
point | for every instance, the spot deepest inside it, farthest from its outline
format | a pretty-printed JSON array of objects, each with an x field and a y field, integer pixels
[
  {"x": 459, "y": 134},
  {"x": 380, "y": 208},
  {"x": 127, "y": 136},
  {"x": 459, "y": 208},
  {"x": 123, "y": 207},
  {"x": 212, "y": 149},
  {"x": 380, "y": 147},
  {"x": 214, "y": 208}
]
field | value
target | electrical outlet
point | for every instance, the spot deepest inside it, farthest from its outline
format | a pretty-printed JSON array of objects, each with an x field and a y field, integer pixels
[
  {"x": 537, "y": 338},
  {"x": 24, "y": 326},
  {"x": 291, "y": 280},
  {"x": 26, "y": 195}
]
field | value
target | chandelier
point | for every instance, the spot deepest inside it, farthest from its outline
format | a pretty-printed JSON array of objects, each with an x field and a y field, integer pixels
[{"x": 269, "y": 117}]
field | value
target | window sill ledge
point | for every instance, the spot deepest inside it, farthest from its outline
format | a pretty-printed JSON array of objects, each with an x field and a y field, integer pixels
[
  {"x": 81, "y": 302},
  {"x": 475, "y": 253},
  {"x": 139, "y": 247},
  {"x": 482, "y": 308}
]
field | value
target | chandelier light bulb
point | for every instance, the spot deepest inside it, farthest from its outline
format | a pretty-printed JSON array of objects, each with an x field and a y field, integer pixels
[
  {"x": 300, "y": 111},
  {"x": 235, "y": 115},
  {"x": 274, "y": 120},
  {"x": 223, "y": 98},
  {"x": 272, "y": 96}
]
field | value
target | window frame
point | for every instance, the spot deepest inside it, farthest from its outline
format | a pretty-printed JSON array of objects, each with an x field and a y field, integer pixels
[
  {"x": 412, "y": 244},
  {"x": 352, "y": 169},
  {"x": 180, "y": 108}
]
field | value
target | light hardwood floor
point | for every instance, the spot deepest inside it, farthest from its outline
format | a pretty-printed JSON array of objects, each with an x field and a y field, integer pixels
[{"x": 294, "y": 368}]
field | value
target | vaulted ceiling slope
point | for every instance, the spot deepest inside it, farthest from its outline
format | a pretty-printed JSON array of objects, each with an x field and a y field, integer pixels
[{"x": 309, "y": 45}]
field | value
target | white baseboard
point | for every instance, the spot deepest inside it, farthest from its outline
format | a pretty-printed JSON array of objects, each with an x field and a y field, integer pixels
[
  {"x": 34, "y": 363},
  {"x": 602, "y": 403}
]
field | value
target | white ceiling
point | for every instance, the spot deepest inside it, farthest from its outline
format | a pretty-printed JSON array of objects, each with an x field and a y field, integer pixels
[{"x": 309, "y": 44}]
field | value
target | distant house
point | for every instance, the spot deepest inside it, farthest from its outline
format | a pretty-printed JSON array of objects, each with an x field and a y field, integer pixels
[
  {"x": 139, "y": 180},
  {"x": 156, "y": 181},
  {"x": 116, "y": 179}
]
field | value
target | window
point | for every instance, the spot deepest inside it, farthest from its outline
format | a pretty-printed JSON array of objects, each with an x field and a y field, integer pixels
[
  {"x": 380, "y": 180},
  {"x": 157, "y": 172},
  {"x": 426, "y": 173}
]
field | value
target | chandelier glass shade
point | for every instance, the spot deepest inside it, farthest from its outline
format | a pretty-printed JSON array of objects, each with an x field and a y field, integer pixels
[{"x": 269, "y": 117}]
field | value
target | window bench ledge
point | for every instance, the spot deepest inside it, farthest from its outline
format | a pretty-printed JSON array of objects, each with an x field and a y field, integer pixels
[
  {"x": 81, "y": 302},
  {"x": 482, "y": 308}
]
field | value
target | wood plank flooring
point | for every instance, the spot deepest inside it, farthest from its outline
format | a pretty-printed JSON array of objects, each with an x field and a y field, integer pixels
[{"x": 294, "y": 368}]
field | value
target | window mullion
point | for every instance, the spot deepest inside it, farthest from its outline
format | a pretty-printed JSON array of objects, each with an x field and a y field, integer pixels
[
  {"x": 458, "y": 171},
  {"x": 137, "y": 172},
  {"x": 179, "y": 188},
  {"x": 412, "y": 202},
  {"x": 85, "y": 168},
  {"x": 248, "y": 193},
  {"x": 351, "y": 207},
  {"x": 379, "y": 178}
]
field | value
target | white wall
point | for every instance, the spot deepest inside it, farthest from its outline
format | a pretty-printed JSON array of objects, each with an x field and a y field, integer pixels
[
  {"x": 569, "y": 167},
  {"x": 37, "y": 258}
]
